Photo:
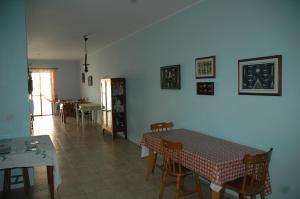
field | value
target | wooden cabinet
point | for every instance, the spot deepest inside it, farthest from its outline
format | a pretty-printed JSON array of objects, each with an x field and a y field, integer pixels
[{"x": 113, "y": 102}]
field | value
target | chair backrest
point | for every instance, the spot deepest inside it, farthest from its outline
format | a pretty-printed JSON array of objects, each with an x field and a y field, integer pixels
[
  {"x": 256, "y": 171},
  {"x": 161, "y": 126},
  {"x": 83, "y": 101},
  {"x": 68, "y": 109},
  {"x": 171, "y": 156}
]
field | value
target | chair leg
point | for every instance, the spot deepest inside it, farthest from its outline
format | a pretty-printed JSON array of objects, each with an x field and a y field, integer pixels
[
  {"x": 7, "y": 183},
  {"x": 150, "y": 163},
  {"x": 154, "y": 163},
  {"x": 182, "y": 184},
  {"x": 198, "y": 186},
  {"x": 26, "y": 179},
  {"x": 222, "y": 193},
  {"x": 61, "y": 116},
  {"x": 262, "y": 196},
  {"x": 178, "y": 178},
  {"x": 64, "y": 115},
  {"x": 244, "y": 196},
  {"x": 162, "y": 184},
  {"x": 241, "y": 196},
  {"x": 253, "y": 196}
]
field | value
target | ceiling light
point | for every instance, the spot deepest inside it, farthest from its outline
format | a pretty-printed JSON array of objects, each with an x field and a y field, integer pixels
[{"x": 85, "y": 37}]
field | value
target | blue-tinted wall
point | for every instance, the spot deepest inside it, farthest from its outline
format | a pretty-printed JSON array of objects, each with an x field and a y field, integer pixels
[
  {"x": 67, "y": 76},
  {"x": 14, "y": 107},
  {"x": 231, "y": 30}
]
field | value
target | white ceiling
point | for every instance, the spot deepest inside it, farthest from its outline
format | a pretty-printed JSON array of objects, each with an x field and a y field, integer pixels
[{"x": 56, "y": 27}]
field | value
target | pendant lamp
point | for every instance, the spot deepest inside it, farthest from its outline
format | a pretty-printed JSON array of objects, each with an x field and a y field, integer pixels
[{"x": 85, "y": 37}]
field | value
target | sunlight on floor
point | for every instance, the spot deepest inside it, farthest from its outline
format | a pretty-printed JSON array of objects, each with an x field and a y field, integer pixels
[{"x": 43, "y": 125}]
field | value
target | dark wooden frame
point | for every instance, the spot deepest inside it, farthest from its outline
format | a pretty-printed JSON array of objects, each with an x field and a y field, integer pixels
[
  {"x": 170, "y": 77},
  {"x": 205, "y": 88},
  {"x": 267, "y": 64},
  {"x": 198, "y": 61}
]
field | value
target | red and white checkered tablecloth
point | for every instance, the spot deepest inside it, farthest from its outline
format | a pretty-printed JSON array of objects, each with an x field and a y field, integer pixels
[{"x": 213, "y": 158}]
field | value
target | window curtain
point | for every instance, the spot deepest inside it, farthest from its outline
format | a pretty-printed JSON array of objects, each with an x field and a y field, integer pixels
[{"x": 52, "y": 96}]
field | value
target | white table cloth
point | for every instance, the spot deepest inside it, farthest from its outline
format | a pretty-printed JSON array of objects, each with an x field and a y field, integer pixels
[
  {"x": 29, "y": 152},
  {"x": 94, "y": 108}
]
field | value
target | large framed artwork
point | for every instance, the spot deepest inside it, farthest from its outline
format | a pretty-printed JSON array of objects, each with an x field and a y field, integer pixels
[
  {"x": 170, "y": 77},
  {"x": 205, "y": 67},
  {"x": 260, "y": 76}
]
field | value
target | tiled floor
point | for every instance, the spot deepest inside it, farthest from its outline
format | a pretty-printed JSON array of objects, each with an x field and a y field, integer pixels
[{"x": 93, "y": 166}]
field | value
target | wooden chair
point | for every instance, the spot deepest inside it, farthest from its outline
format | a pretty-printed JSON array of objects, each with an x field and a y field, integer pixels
[
  {"x": 67, "y": 109},
  {"x": 253, "y": 181},
  {"x": 171, "y": 152},
  {"x": 161, "y": 126},
  {"x": 7, "y": 179}
]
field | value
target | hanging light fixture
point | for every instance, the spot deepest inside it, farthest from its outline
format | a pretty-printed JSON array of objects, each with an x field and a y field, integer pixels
[{"x": 85, "y": 37}]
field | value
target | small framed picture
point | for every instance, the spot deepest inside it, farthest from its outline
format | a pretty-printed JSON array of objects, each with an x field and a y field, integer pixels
[
  {"x": 82, "y": 77},
  {"x": 90, "y": 80},
  {"x": 260, "y": 76},
  {"x": 205, "y": 88},
  {"x": 205, "y": 67},
  {"x": 170, "y": 77}
]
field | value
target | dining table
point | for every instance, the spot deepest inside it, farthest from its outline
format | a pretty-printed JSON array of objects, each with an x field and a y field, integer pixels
[
  {"x": 31, "y": 151},
  {"x": 214, "y": 159},
  {"x": 87, "y": 107}
]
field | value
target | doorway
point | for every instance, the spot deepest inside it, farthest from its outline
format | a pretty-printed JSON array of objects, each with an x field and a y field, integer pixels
[{"x": 43, "y": 92}]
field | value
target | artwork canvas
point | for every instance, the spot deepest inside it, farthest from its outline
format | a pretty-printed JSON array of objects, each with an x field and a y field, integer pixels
[
  {"x": 170, "y": 77},
  {"x": 205, "y": 67},
  {"x": 205, "y": 88},
  {"x": 260, "y": 76}
]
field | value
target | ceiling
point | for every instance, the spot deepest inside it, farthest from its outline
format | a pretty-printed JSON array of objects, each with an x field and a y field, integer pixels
[{"x": 55, "y": 28}]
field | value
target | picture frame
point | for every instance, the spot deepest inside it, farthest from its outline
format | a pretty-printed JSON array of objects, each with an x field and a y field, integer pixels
[
  {"x": 83, "y": 78},
  {"x": 205, "y": 67},
  {"x": 90, "y": 80},
  {"x": 170, "y": 77},
  {"x": 260, "y": 76},
  {"x": 205, "y": 88}
]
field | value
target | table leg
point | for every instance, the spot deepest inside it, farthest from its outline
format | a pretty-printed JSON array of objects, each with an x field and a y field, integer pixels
[
  {"x": 82, "y": 117},
  {"x": 151, "y": 163},
  {"x": 77, "y": 115},
  {"x": 215, "y": 195},
  {"x": 96, "y": 115},
  {"x": 93, "y": 116},
  {"x": 50, "y": 180}
]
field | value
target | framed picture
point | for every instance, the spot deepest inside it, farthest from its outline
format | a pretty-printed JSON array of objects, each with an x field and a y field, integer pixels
[
  {"x": 205, "y": 88},
  {"x": 90, "y": 80},
  {"x": 170, "y": 77},
  {"x": 205, "y": 67},
  {"x": 260, "y": 76},
  {"x": 82, "y": 77}
]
